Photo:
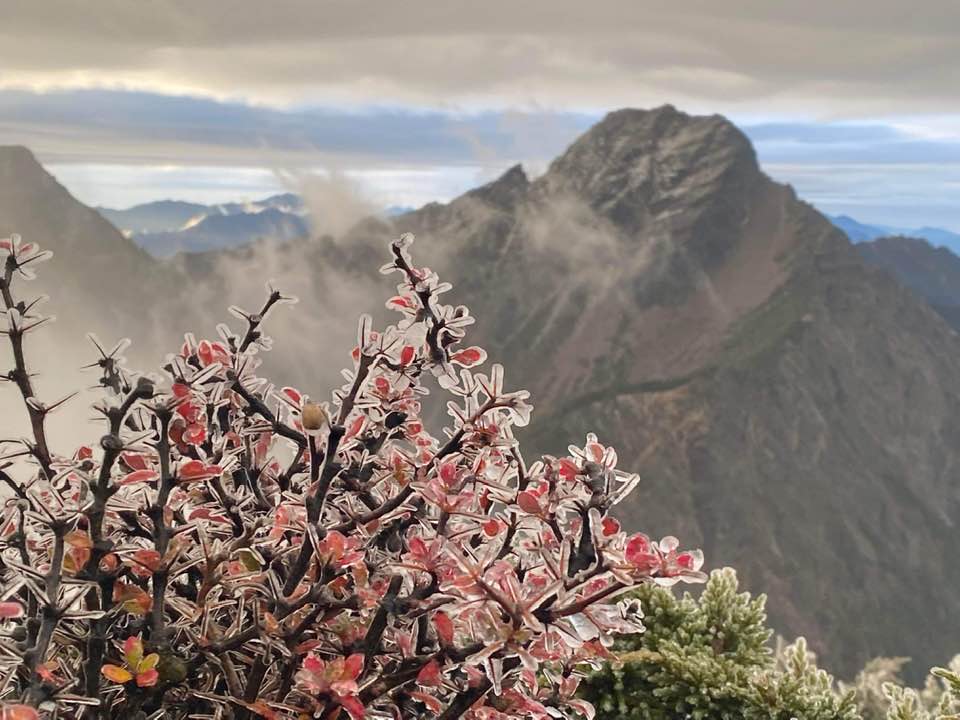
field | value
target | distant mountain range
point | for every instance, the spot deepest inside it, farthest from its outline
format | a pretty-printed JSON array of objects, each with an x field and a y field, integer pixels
[
  {"x": 861, "y": 232},
  {"x": 789, "y": 406},
  {"x": 167, "y": 227}
]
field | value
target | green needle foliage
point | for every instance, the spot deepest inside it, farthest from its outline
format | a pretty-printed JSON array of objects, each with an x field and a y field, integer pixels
[
  {"x": 711, "y": 658},
  {"x": 881, "y": 694}
]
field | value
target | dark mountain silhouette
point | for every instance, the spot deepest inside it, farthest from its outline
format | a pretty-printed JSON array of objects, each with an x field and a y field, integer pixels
[
  {"x": 159, "y": 216},
  {"x": 931, "y": 272},
  {"x": 862, "y": 232},
  {"x": 167, "y": 227},
  {"x": 223, "y": 231}
]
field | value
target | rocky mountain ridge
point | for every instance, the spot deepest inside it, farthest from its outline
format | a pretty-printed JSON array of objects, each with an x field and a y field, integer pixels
[{"x": 930, "y": 271}]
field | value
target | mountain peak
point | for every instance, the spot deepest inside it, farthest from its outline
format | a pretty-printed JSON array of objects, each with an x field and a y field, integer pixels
[
  {"x": 16, "y": 160},
  {"x": 653, "y": 158},
  {"x": 506, "y": 191},
  {"x": 17, "y": 152},
  {"x": 661, "y": 123},
  {"x": 663, "y": 113}
]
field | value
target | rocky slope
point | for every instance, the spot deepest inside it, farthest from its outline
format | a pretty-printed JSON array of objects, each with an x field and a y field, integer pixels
[
  {"x": 931, "y": 272},
  {"x": 100, "y": 280},
  {"x": 789, "y": 407}
]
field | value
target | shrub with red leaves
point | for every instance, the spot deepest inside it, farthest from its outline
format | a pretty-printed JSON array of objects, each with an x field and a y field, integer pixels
[{"x": 231, "y": 549}]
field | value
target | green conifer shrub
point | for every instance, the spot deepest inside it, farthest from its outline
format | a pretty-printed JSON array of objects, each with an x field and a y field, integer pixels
[{"x": 711, "y": 658}]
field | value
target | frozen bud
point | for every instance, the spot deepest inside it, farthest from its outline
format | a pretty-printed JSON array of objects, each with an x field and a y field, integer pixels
[
  {"x": 313, "y": 416},
  {"x": 394, "y": 419},
  {"x": 404, "y": 241},
  {"x": 145, "y": 388},
  {"x": 112, "y": 442}
]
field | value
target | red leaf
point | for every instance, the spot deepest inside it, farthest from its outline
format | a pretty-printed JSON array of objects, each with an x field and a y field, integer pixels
[
  {"x": 133, "y": 650},
  {"x": 148, "y": 678},
  {"x": 491, "y": 527},
  {"x": 135, "y": 461},
  {"x": 407, "y": 355},
  {"x": 639, "y": 553},
  {"x": 568, "y": 469},
  {"x": 145, "y": 561},
  {"x": 429, "y": 674},
  {"x": 353, "y": 666},
  {"x": 352, "y": 704},
  {"x": 528, "y": 502},
  {"x": 400, "y": 302},
  {"x": 188, "y": 411},
  {"x": 469, "y": 357},
  {"x": 444, "y": 627},
  {"x": 10, "y": 610},
  {"x": 18, "y": 712},
  {"x": 355, "y": 427},
  {"x": 197, "y": 470},
  {"x": 207, "y": 514},
  {"x": 308, "y": 645},
  {"x": 195, "y": 434},
  {"x": 417, "y": 546},
  {"x": 78, "y": 539},
  {"x": 139, "y": 476},
  {"x": 610, "y": 526},
  {"x": 448, "y": 473}
]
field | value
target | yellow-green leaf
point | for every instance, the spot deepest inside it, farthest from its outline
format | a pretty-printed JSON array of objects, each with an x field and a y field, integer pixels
[{"x": 116, "y": 674}]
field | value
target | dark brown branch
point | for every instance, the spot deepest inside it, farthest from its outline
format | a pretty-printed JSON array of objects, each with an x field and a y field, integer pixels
[
  {"x": 254, "y": 321},
  {"x": 21, "y": 376},
  {"x": 261, "y": 409}
]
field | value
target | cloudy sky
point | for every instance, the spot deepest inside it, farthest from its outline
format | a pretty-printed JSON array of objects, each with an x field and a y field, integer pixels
[{"x": 852, "y": 101}]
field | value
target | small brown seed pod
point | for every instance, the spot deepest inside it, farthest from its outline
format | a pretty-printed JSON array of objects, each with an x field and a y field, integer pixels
[{"x": 313, "y": 416}]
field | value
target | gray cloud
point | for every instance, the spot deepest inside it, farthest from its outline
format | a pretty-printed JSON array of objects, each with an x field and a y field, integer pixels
[
  {"x": 822, "y": 56},
  {"x": 131, "y": 127}
]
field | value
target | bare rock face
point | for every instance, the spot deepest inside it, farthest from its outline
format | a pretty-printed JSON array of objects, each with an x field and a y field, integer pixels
[{"x": 789, "y": 408}]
